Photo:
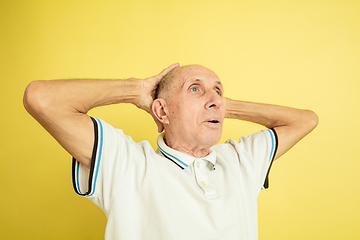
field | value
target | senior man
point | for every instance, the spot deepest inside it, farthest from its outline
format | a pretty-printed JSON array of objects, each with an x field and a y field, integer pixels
[{"x": 188, "y": 188}]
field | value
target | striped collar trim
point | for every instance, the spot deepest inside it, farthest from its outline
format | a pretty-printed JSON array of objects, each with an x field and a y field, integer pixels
[{"x": 181, "y": 159}]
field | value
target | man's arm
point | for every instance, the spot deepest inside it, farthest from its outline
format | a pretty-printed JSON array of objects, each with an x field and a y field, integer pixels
[
  {"x": 61, "y": 107},
  {"x": 290, "y": 124}
]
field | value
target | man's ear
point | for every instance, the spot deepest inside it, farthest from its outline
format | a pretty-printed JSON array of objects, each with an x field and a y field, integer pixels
[{"x": 159, "y": 110}]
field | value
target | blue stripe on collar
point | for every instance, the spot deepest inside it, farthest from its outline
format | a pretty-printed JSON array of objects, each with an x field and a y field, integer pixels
[{"x": 173, "y": 158}]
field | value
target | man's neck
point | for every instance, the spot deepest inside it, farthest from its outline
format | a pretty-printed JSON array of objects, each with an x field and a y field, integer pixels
[{"x": 194, "y": 150}]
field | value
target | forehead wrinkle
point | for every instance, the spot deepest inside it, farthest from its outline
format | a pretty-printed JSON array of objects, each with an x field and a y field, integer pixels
[{"x": 184, "y": 74}]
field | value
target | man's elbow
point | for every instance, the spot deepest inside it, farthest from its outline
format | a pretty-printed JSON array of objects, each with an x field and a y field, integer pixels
[
  {"x": 311, "y": 120},
  {"x": 34, "y": 98}
]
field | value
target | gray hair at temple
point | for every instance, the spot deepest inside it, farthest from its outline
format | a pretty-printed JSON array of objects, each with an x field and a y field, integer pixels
[{"x": 164, "y": 86}]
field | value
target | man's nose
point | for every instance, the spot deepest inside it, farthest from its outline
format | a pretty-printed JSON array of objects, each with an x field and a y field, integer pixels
[{"x": 214, "y": 100}]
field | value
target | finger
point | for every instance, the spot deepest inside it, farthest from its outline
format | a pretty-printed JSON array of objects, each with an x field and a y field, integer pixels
[{"x": 168, "y": 69}]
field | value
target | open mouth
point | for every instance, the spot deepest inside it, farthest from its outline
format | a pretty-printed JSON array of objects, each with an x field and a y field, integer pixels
[{"x": 213, "y": 121}]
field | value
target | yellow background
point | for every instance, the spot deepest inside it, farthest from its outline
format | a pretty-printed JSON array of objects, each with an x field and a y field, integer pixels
[{"x": 303, "y": 54}]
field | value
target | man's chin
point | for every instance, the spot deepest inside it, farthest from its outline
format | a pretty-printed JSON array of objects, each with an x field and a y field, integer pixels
[{"x": 212, "y": 140}]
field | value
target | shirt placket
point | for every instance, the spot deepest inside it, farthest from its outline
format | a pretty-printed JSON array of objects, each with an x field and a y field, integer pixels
[{"x": 202, "y": 169}]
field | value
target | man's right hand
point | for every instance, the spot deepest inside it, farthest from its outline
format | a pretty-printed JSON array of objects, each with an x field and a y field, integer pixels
[{"x": 148, "y": 85}]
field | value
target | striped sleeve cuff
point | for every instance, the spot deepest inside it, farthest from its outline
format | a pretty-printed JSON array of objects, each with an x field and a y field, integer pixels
[
  {"x": 84, "y": 179},
  {"x": 274, "y": 146}
]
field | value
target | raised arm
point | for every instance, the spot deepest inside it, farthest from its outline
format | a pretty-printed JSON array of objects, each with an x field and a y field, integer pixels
[
  {"x": 61, "y": 106},
  {"x": 290, "y": 124}
]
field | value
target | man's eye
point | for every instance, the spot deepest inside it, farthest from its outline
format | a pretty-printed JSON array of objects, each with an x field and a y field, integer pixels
[{"x": 194, "y": 89}]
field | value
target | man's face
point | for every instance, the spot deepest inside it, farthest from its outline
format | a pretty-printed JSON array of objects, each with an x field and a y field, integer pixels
[{"x": 196, "y": 111}]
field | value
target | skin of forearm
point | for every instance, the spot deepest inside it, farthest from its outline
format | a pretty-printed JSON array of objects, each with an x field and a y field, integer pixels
[
  {"x": 267, "y": 115},
  {"x": 80, "y": 95}
]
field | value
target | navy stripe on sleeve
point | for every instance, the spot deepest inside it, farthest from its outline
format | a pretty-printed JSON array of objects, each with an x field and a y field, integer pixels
[
  {"x": 275, "y": 141},
  {"x": 76, "y": 165}
]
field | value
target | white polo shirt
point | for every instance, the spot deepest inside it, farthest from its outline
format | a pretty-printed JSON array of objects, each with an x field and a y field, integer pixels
[{"x": 170, "y": 195}]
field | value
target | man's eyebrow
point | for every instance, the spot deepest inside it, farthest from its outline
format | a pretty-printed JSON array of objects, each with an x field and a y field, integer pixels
[
  {"x": 199, "y": 80},
  {"x": 196, "y": 80}
]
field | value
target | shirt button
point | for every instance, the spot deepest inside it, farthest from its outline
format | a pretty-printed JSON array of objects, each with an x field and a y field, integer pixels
[
  {"x": 203, "y": 183},
  {"x": 198, "y": 164}
]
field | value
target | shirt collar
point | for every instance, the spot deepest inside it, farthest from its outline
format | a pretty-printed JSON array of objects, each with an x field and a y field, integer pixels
[{"x": 183, "y": 160}]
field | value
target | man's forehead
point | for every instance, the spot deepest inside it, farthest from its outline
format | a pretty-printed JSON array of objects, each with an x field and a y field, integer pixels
[{"x": 192, "y": 73}]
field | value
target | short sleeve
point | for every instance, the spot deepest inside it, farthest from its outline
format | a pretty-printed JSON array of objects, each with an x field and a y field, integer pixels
[
  {"x": 110, "y": 163},
  {"x": 256, "y": 154}
]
